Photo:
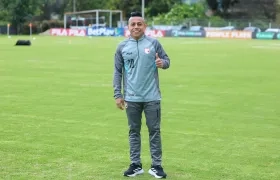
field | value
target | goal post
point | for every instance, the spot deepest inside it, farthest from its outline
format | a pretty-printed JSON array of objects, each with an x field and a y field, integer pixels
[{"x": 97, "y": 16}]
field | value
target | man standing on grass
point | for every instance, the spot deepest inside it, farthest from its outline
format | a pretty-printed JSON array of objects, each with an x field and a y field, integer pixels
[{"x": 137, "y": 60}]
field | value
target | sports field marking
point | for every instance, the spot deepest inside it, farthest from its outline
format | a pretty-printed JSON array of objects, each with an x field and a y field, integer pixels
[
  {"x": 199, "y": 42},
  {"x": 271, "y": 46}
]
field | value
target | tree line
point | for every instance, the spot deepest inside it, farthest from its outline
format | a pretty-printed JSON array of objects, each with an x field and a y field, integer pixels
[{"x": 18, "y": 12}]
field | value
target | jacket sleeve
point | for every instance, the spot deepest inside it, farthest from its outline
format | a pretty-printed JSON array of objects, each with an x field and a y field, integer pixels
[
  {"x": 163, "y": 56},
  {"x": 118, "y": 73}
]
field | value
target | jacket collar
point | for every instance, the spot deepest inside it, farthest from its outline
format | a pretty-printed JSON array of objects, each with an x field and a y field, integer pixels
[{"x": 140, "y": 39}]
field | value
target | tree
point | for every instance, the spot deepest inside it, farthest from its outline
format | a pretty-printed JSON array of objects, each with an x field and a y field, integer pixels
[
  {"x": 156, "y": 7},
  {"x": 4, "y": 13},
  {"x": 82, "y": 5},
  {"x": 220, "y": 7},
  {"x": 22, "y": 11},
  {"x": 126, "y": 6},
  {"x": 18, "y": 11},
  {"x": 47, "y": 7},
  {"x": 179, "y": 13},
  {"x": 264, "y": 9}
]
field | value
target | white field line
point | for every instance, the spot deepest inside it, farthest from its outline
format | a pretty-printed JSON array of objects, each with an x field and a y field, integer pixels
[
  {"x": 92, "y": 123},
  {"x": 174, "y": 111},
  {"x": 198, "y": 42},
  {"x": 266, "y": 46}
]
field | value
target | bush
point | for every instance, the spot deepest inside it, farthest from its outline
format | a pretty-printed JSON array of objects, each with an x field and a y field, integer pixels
[
  {"x": 262, "y": 24},
  {"x": 36, "y": 28},
  {"x": 217, "y": 21},
  {"x": 39, "y": 27},
  {"x": 48, "y": 24}
]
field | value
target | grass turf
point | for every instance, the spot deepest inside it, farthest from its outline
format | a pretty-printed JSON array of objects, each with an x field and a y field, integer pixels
[{"x": 58, "y": 120}]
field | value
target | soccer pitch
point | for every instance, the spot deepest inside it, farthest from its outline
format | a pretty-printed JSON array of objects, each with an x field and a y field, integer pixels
[{"x": 220, "y": 110}]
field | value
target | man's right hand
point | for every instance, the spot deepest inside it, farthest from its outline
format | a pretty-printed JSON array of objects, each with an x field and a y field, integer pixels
[{"x": 120, "y": 103}]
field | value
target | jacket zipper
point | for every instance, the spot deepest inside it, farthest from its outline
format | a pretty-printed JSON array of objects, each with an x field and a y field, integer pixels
[{"x": 137, "y": 49}]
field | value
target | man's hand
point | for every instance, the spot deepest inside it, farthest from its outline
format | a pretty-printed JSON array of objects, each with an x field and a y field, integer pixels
[
  {"x": 120, "y": 103},
  {"x": 159, "y": 62}
]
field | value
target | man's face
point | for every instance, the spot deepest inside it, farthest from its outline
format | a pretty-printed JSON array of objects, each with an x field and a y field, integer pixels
[{"x": 136, "y": 27}]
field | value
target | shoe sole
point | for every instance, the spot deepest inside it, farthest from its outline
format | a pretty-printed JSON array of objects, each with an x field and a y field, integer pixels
[
  {"x": 135, "y": 174},
  {"x": 156, "y": 176}
]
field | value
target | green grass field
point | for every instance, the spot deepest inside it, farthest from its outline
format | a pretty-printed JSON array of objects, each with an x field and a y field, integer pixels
[{"x": 220, "y": 121}]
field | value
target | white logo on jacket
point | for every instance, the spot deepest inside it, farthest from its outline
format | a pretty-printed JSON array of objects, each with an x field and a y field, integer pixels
[{"x": 147, "y": 50}]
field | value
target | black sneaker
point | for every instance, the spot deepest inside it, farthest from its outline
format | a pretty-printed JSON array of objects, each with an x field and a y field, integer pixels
[
  {"x": 157, "y": 172},
  {"x": 133, "y": 170}
]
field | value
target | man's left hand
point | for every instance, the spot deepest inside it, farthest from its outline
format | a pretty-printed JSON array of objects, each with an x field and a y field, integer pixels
[{"x": 159, "y": 62}]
